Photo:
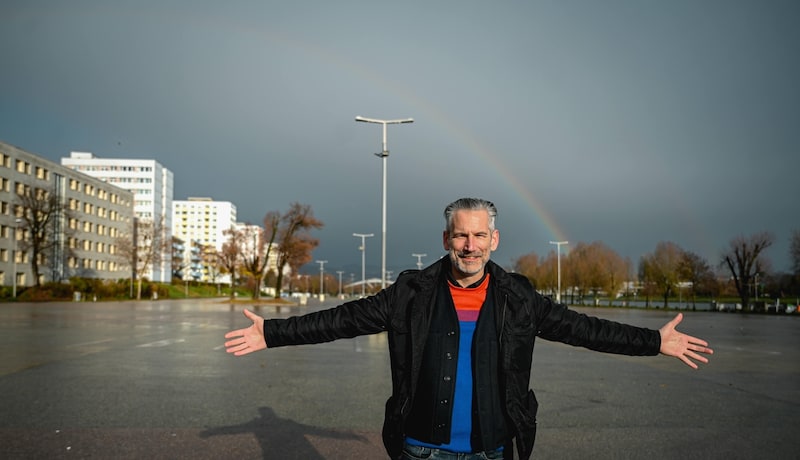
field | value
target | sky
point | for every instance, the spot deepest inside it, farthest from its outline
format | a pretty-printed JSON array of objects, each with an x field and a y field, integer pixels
[{"x": 629, "y": 122}]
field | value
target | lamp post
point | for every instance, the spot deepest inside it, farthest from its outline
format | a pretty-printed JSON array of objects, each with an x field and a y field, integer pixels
[
  {"x": 363, "y": 249},
  {"x": 14, "y": 256},
  {"x": 340, "y": 272},
  {"x": 419, "y": 260},
  {"x": 558, "y": 246},
  {"x": 384, "y": 154},
  {"x": 755, "y": 284},
  {"x": 321, "y": 278}
]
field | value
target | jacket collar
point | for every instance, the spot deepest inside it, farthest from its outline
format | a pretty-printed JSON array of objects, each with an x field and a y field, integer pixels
[{"x": 428, "y": 277}]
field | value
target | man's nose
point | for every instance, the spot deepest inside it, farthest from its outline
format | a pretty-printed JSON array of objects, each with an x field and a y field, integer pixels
[{"x": 468, "y": 242}]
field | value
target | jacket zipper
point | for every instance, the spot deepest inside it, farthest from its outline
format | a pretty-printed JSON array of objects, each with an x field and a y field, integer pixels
[{"x": 503, "y": 320}]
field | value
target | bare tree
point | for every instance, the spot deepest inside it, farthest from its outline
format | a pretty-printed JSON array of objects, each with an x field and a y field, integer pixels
[
  {"x": 694, "y": 269},
  {"x": 298, "y": 253},
  {"x": 527, "y": 265},
  {"x": 614, "y": 271},
  {"x": 293, "y": 239},
  {"x": 43, "y": 215},
  {"x": 578, "y": 271},
  {"x": 230, "y": 254},
  {"x": 261, "y": 242},
  {"x": 662, "y": 268},
  {"x": 596, "y": 268},
  {"x": 548, "y": 272},
  {"x": 646, "y": 277},
  {"x": 745, "y": 262},
  {"x": 144, "y": 247},
  {"x": 211, "y": 264}
]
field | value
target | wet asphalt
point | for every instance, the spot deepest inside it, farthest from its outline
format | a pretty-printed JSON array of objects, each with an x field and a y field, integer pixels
[{"x": 131, "y": 380}]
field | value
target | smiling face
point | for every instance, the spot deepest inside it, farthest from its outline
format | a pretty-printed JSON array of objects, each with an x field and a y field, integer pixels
[{"x": 470, "y": 241}]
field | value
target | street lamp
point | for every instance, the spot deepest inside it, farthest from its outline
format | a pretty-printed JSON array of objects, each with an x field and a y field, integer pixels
[
  {"x": 363, "y": 249},
  {"x": 558, "y": 245},
  {"x": 14, "y": 271},
  {"x": 419, "y": 260},
  {"x": 340, "y": 272},
  {"x": 321, "y": 278},
  {"x": 384, "y": 154}
]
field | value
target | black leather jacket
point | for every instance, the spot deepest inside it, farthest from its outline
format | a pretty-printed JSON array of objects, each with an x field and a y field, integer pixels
[{"x": 521, "y": 314}]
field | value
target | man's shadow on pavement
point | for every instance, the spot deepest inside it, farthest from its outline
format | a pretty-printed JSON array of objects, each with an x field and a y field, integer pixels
[{"x": 280, "y": 437}]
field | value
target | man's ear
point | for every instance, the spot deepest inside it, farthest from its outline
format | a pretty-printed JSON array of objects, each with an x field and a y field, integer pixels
[
  {"x": 446, "y": 240},
  {"x": 495, "y": 239}
]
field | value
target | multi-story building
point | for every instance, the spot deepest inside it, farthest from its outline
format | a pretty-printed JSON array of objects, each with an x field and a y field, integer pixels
[
  {"x": 89, "y": 217},
  {"x": 203, "y": 220},
  {"x": 202, "y": 223},
  {"x": 151, "y": 185},
  {"x": 187, "y": 260}
]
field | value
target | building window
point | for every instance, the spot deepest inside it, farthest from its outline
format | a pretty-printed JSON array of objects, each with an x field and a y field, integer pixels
[{"x": 42, "y": 173}]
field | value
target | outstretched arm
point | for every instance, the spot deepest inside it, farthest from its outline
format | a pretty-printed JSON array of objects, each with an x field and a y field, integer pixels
[
  {"x": 247, "y": 340},
  {"x": 682, "y": 346}
]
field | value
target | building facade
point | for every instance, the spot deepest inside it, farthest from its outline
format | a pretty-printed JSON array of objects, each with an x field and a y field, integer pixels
[
  {"x": 201, "y": 224},
  {"x": 152, "y": 188},
  {"x": 89, "y": 216}
]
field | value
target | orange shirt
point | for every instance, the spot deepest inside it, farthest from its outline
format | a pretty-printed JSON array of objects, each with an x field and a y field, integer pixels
[{"x": 468, "y": 301}]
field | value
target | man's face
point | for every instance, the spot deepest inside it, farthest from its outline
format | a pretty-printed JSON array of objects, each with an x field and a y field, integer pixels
[{"x": 470, "y": 242}]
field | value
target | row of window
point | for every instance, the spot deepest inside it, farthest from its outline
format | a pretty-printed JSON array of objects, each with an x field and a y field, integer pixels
[
  {"x": 98, "y": 247},
  {"x": 22, "y": 166},
  {"x": 91, "y": 227},
  {"x": 92, "y": 209},
  {"x": 91, "y": 190},
  {"x": 113, "y": 168},
  {"x": 20, "y": 279},
  {"x": 130, "y": 180},
  {"x": 22, "y": 256},
  {"x": 6, "y": 209},
  {"x": 92, "y": 246},
  {"x": 22, "y": 188},
  {"x": 72, "y": 262}
]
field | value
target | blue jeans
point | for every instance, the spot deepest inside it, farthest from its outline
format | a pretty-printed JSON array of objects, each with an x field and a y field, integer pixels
[{"x": 411, "y": 452}]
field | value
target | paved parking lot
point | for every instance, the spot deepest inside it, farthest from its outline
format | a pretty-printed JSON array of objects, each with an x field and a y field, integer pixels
[{"x": 151, "y": 379}]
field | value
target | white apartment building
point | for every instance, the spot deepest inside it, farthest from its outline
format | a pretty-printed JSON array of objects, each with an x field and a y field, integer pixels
[
  {"x": 203, "y": 222},
  {"x": 151, "y": 185},
  {"x": 90, "y": 217}
]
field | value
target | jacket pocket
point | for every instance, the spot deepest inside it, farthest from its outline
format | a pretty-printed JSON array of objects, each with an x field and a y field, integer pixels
[{"x": 518, "y": 348}]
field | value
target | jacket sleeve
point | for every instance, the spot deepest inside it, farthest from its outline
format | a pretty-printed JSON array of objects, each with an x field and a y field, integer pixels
[
  {"x": 359, "y": 317},
  {"x": 558, "y": 323}
]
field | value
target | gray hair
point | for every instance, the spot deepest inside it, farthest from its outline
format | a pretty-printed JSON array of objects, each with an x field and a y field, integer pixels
[{"x": 470, "y": 204}]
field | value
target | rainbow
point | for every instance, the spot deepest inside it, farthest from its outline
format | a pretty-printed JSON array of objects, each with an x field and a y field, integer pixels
[
  {"x": 467, "y": 139},
  {"x": 435, "y": 114}
]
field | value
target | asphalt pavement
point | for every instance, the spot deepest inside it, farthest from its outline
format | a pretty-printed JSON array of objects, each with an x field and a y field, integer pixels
[{"x": 131, "y": 380}]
